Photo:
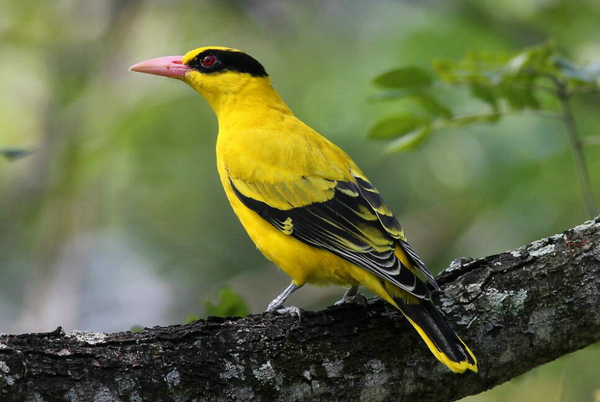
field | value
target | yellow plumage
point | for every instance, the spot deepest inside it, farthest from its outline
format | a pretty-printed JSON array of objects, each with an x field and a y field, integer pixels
[{"x": 302, "y": 200}]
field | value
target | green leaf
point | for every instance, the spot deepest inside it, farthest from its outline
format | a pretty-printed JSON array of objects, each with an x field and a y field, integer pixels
[
  {"x": 534, "y": 60},
  {"x": 464, "y": 121},
  {"x": 446, "y": 70},
  {"x": 229, "y": 304},
  {"x": 14, "y": 153},
  {"x": 405, "y": 77},
  {"x": 485, "y": 93},
  {"x": 432, "y": 105},
  {"x": 425, "y": 100},
  {"x": 519, "y": 98},
  {"x": 396, "y": 126},
  {"x": 409, "y": 141}
]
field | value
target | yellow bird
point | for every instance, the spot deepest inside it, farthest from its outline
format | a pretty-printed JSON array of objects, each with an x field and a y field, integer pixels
[{"x": 303, "y": 201}]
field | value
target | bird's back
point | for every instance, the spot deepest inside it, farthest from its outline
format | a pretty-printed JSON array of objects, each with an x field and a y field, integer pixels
[{"x": 274, "y": 147}]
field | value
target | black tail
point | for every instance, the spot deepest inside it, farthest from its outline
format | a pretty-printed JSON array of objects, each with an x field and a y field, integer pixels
[{"x": 439, "y": 337}]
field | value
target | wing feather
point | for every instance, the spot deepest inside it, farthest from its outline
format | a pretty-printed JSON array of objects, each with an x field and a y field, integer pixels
[{"x": 348, "y": 218}]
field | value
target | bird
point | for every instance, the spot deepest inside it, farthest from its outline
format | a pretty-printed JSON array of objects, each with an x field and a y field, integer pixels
[{"x": 303, "y": 201}]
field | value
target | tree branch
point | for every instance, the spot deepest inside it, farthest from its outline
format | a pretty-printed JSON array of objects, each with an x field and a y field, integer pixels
[{"x": 516, "y": 310}]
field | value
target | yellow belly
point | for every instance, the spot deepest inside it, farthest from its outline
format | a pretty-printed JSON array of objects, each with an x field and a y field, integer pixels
[{"x": 303, "y": 263}]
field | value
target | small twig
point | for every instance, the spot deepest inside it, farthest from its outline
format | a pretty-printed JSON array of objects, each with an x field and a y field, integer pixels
[
  {"x": 14, "y": 153},
  {"x": 578, "y": 154}
]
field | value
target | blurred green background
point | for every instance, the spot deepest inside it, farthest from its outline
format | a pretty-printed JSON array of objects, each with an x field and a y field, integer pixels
[{"x": 118, "y": 219}]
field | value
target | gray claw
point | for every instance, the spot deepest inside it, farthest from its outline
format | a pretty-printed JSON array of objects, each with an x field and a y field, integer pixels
[
  {"x": 291, "y": 310},
  {"x": 356, "y": 299},
  {"x": 352, "y": 297}
]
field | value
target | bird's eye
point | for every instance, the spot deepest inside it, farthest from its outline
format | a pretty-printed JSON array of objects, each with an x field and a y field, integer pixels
[{"x": 208, "y": 60}]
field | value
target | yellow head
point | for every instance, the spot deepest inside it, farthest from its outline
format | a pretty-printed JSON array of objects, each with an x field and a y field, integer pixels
[{"x": 227, "y": 78}]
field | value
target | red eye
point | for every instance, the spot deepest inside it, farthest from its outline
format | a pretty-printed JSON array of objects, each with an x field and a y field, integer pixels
[{"x": 208, "y": 60}]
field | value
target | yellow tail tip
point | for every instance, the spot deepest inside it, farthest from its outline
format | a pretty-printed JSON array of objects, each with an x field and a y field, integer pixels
[
  {"x": 454, "y": 366},
  {"x": 459, "y": 367}
]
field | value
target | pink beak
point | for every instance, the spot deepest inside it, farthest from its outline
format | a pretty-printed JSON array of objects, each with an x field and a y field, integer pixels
[{"x": 170, "y": 66}]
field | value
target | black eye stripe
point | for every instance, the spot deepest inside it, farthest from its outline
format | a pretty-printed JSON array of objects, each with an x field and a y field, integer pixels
[{"x": 228, "y": 60}]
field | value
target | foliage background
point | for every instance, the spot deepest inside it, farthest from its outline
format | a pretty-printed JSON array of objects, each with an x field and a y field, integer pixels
[{"x": 118, "y": 219}]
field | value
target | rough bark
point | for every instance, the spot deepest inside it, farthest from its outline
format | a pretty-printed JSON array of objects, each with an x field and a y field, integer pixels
[{"x": 516, "y": 310}]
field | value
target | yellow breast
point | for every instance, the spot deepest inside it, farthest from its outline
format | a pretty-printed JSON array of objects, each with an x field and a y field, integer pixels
[{"x": 303, "y": 263}]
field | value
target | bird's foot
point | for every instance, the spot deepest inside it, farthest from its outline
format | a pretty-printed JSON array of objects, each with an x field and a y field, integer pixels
[
  {"x": 352, "y": 299},
  {"x": 291, "y": 310}
]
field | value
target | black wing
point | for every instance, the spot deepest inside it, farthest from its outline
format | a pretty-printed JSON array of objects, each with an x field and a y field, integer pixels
[{"x": 356, "y": 225}]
